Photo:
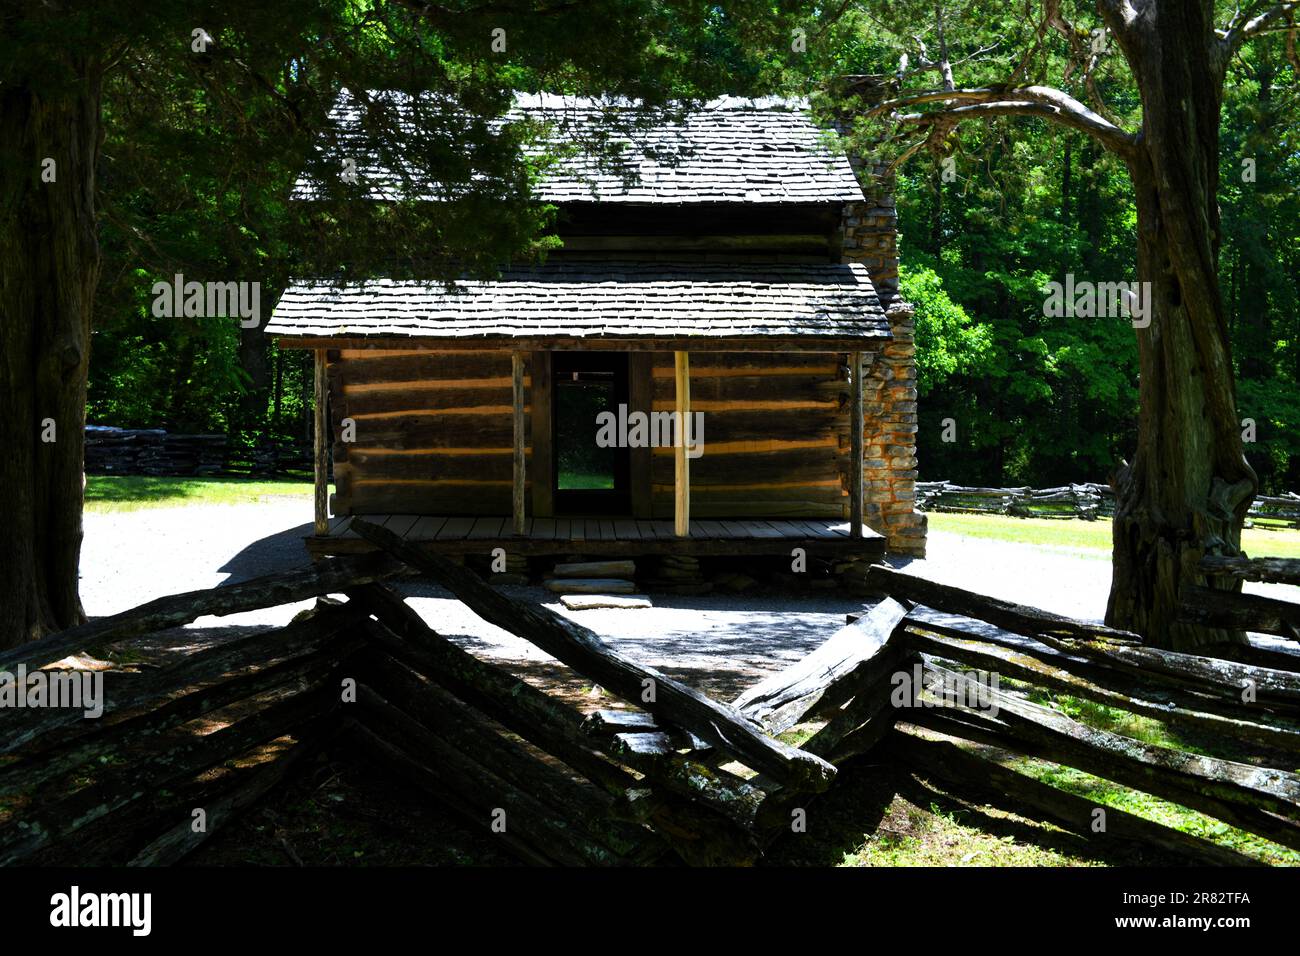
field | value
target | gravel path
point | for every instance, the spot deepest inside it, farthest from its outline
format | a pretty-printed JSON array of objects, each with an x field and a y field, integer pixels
[{"x": 131, "y": 557}]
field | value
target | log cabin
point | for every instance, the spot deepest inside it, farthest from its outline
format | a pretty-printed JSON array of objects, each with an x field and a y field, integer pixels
[{"x": 748, "y": 285}]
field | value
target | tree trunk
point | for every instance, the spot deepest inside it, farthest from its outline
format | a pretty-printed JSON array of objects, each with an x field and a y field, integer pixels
[
  {"x": 49, "y": 265},
  {"x": 1188, "y": 488}
]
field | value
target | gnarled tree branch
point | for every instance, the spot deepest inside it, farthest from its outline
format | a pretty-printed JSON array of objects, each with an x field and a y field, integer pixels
[{"x": 1043, "y": 101}]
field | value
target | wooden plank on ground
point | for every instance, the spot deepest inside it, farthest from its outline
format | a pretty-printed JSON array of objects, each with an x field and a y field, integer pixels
[{"x": 782, "y": 700}]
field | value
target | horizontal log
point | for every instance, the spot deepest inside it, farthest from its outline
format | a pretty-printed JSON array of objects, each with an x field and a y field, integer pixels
[
  {"x": 419, "y": 774},
  {"x": 538, "y": 718},
  {"x": 440, "y": 404},
  {"x": 609, "y": 723},
  {"x": 1201, "y": 688},
  {"x": 284, "y": 587},
  {"x": 1212, "y": 607},
  {"x": 591, "y": 586},
  {"x": 584, "y": 651},
  {"x": 755, "y": 363},
  {"x": 785, "y": 468},
  {"x": 486, "y": 789},
  {"x": 478, "y": 432},
  {"x": 1019, "y": 618},
  {"x": 782, "y": 700},
  {"x": 369, "y": 464},
  {"x": 584, "y": 808},
  {"x": 181, "y": 840},
  {"x": 111, "y": 745},
  {"x": 1011, "y": 790},
  {"x": 1214, "y": 784},
  {"x": 758, "y": 387},
  {"x": 1183, "y": 711},
  {"x": 190, "y": 686},
  {"x": 595, "y": 569},
  {"x": 428, "y": 497},
  {"x": 42, "y": 824},
  {"x": 424, "y": 366}
]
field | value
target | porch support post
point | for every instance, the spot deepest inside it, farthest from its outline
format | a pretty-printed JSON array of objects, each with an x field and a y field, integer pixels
[
  {"x": 517, "y": 383},
  {"x": 856, "y": 425},
  {"x": 682, "y": 469},
  {"x": 318, "y": 445}
]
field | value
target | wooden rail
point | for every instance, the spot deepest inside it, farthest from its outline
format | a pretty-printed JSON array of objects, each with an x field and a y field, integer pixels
[
  {"x": 1217, "y": 607},
  {"x": 1087, "y": 500}
]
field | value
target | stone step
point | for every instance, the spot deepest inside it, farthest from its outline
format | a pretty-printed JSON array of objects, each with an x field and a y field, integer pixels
[
  {"x": 590, "y": 586},
  {"x": 596, "y": 569},
  {"x": 587, "y": 602}
]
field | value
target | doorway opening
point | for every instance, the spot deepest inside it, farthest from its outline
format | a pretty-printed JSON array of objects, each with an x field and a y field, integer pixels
[{"x": 589, "y": 479}]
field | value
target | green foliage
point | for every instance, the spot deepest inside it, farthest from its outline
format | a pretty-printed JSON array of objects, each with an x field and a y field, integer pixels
[
  {"x": 1038, "y": 400},
  {"x": 203, "y": 147}
]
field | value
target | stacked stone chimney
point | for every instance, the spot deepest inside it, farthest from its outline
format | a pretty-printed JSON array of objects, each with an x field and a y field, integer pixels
[{"x": 870, "y": 236}]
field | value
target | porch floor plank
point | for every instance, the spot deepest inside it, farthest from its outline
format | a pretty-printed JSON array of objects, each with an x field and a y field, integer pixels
[{"x": 607, "y": 536}]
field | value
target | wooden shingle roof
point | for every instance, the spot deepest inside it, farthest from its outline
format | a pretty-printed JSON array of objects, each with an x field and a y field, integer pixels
[
  {"x": 729, "y": 150},
  {"x": 822, "y": 306}
]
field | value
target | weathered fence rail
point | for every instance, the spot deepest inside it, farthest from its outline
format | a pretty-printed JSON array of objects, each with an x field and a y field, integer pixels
[
  {"x": 671, "y": 774},
  {"x": 1214, "y": 607},
  {"x": 1088, "y": 501}
]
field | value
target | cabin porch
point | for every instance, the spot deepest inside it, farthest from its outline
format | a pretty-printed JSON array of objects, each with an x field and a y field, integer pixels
[{"x": 623, "y": 537}]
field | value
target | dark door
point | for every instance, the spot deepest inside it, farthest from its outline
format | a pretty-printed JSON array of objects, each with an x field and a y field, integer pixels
[{"x": 591, "y": 476}]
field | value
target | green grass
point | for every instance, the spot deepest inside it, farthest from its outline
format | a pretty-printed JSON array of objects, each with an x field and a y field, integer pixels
[
  {"x": 584, "y": 481},
  {"x": 110, "y": 493},
  {"x": 1093, "y": 538},
  {"x": 1107, "y": 793}
]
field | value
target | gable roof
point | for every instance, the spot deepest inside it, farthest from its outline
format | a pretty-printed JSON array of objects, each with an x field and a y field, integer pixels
[
  {"x": 729, "y": 150},
  {"x": 823, "y": 306}
]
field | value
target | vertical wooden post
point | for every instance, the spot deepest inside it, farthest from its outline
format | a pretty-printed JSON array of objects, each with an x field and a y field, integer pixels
[
  {"x": 320, "y": 430},
  {"x": 855, "y": 446},
  {"x": 682, "y": 469},
  {"x": 517, "y": 382},
  {"x": 540, "y": 422}
]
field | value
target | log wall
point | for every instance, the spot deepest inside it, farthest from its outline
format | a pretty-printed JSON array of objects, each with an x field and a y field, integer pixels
[{"x": 433, "y": 431}]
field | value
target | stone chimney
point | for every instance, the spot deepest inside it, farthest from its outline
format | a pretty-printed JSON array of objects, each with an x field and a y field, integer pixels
[{"x": 870, "y": 236}]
